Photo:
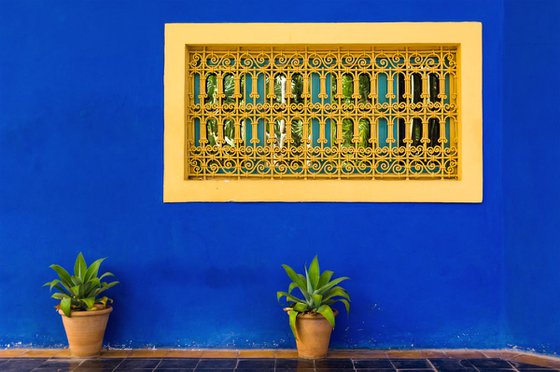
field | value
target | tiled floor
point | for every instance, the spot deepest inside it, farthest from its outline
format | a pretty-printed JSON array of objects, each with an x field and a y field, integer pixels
[{"x": 386, "y": 363}]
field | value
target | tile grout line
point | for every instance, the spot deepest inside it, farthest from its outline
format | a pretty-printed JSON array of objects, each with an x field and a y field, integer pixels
[
  {"x": 78, "y": 366},
  {"x": 430, "y": 363},
  {"x": 393, "y": 364},
  {"x": 118, "y": 364},
  {"x": 82, "y": 362},
  {"x": 157, "y": 365},
  {"x": 511, "y": 364}
]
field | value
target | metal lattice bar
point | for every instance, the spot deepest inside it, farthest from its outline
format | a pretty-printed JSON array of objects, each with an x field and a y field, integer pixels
[{"x": 316, "y": 112}]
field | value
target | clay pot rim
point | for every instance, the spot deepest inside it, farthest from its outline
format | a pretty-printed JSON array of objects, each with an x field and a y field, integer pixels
[
  {"x": 82, "y": 313},
  {"x": 310, "y": 315}
]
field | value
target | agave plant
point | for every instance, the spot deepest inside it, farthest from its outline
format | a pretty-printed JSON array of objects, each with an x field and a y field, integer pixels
[
  {"x": 318, "y": 290},
  {"x": 80, "y": 291}
]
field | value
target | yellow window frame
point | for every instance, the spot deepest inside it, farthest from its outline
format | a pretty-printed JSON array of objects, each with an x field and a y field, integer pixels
[{"x": 467, "y": 36}]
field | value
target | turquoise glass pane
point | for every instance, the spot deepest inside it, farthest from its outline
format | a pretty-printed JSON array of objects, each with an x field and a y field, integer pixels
[
  {"x": 248, "y": 88},
  {"x": 261, "y": 99},
  {"x": 196, "y": 92},
  {"x": 248, "y": 132},
  {"x": 196, "y": 132},
  {"x": 383, "y": 132},
  {"x": 328, "y": 127},
  {"x": 382, "y": 88},
  {"x": 447, "y": 89},
  {"x": 315, "y": 89},
  {"x": 261, "y": 88},
  {"x": 314, "y": 132},
  {"x": 260, "y": 131},
  {"x": 447, "y": 132}
]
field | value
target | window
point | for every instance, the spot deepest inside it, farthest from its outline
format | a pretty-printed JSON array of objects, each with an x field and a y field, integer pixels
[
  {"x": 341, "y": 112},
  {"x": 312, "y": 112}
]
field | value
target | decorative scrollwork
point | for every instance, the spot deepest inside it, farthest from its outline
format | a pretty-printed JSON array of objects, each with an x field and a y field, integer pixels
[{"x": 337, "y": 113}]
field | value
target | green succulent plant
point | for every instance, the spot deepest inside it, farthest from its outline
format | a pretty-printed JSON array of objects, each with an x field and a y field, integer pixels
[
  {"x": 318, "y": 290},
  {"x": 80, "y": 292}
]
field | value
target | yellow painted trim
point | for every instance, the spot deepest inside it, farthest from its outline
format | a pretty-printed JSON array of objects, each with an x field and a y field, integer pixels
[{"x": 468, "y": 37}]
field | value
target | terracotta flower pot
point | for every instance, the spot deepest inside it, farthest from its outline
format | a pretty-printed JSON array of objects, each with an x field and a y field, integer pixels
[
  {"x": 85, "y": 331},
  {"x": 313, "y": 336}
]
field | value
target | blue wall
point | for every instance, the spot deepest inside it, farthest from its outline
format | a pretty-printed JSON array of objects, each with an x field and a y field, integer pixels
[
  {"x": 531, "y": 137},
  {"x": 81, "y": 163}
]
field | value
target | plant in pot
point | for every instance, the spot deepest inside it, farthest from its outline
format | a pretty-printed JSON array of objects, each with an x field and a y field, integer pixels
[
  {"x": 312, "y": 317},
  {"x": 84, "y": 313}
]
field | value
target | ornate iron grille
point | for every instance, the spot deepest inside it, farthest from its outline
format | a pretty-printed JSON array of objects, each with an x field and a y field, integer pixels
[{"x": 315, "y": 112}]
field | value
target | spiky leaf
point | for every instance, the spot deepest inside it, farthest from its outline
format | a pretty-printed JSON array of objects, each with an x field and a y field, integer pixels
[
  {"x": 80, "y": 267},
  {"x": 314, "y": 272},
  {"x": 331, "y": 284},
  {"x": 293, "y": 317},
  {"x": 93, "y": 270},
  {"x": 325, "y": 278},
  {"x": 292, "y": 275},
  {"x": 288, "y": 296},
  {"x": 326, "y": 311},
  {"x": 65, "y": 305}
]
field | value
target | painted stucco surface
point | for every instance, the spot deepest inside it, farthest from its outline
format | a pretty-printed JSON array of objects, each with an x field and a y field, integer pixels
[
  {"x": 531, "y": 137},
  {"x": 81, "y": 132}
]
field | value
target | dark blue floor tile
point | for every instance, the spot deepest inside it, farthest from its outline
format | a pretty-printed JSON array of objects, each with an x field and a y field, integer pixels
[
  {"x": 411, "y": 364},
  {"x": 94, "y": 369},
  {"x": 178, "y": 363},
  {"x": 138, "y": 363},
  {"x": 488, "y": 363},
  {"x": 334, "y": 363},
  {"x": 174, "y": 369},
  {"x": 523, "y": 366},
  {"x": 294, "y": 363},
  {"x": 375, "y": 370},
  {"x": 217, "y": 363},
  {"x": 373, "y": 363},
  {"x": 538, "y": 369},
  {"x": 68, "y": 363},
  {"x": 450, "y": 365},
  {"x": 22, "y": 364},
  {"x": 56, "y": 369},
  {"x": 254, "y": 369},
  {"x": 334, "y": 369},
  {"x": 255, "y": 363},
  {"x": 295, "y": 369},
  {"x": 496, "y": 369},
  {"x": 101, "y": 363}
]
